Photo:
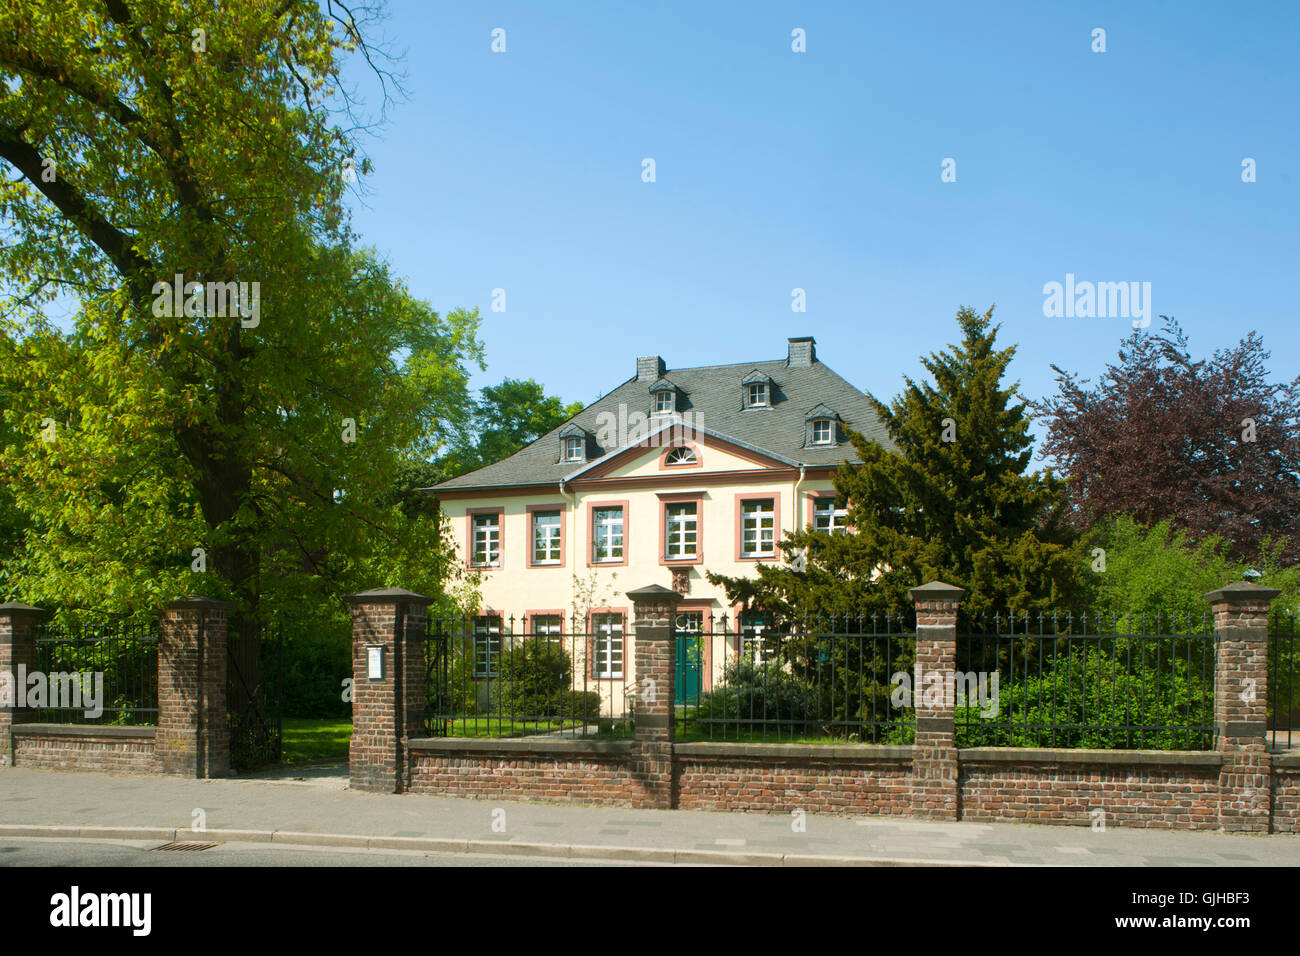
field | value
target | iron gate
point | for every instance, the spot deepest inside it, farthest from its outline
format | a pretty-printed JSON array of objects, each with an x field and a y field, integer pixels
[{"x": 254, "y": 685}]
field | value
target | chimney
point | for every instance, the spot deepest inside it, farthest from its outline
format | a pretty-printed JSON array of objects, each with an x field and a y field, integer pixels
[
  {"x": 649, "y": 368},
  {"x": 803, "y": 352}
]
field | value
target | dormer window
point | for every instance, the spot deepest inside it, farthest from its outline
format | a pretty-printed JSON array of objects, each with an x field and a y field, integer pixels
[
  {"x": 756, "y": 390},
  {"x": 574, "y": 444},
  {"x": 822, "y": 426},
  {"x": 663, "y": 397}
]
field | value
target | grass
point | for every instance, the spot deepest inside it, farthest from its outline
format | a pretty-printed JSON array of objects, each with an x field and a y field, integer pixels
[
  {"x": 308, "y": 739},
  {"x": 499, "y": 727}
]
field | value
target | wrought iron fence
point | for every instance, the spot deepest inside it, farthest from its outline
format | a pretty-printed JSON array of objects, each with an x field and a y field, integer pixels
[
  {"x": 254, "y": 692},
  {"x": 1283, "y": 694},
  {"x": 105, "y": 673},
  {"x": 541, "y": 676},
  {"x": 1064, "y": 680},
  {"x": 815, "y": 680}
]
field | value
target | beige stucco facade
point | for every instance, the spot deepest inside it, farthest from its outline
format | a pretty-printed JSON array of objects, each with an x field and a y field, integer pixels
[{"x": 641, "y": 483}]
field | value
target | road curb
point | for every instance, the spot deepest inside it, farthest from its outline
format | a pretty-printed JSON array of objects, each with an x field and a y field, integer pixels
[{"x": 620, "y": 854}]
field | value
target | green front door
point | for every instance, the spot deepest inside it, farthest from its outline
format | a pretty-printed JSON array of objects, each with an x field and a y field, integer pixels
[{"x": 689, "y": 627}]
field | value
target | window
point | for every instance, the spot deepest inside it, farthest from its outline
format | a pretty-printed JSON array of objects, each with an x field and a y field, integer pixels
[
  {"x": 758, "y": 528},
  {"x": 487, "y": 645},
  {"x": 681, "y": 456},
  {"x": 574, "y": 450},
  {"x": 607, "y": 650},
  {"x": 486, "y": 543},
  {"x": 664, "y": 402},
  {"x": 757, "y": 394},
  {"x": 682, "y": 530},
  {"x": 823, "y": 431},
  {"x": 607, "y": 537},
  {"x": 550, "y": 626},
  {"x": 757, "y": 641},
  {"x": 826, "y": 517},
  {"x": 547, "y": 546}
]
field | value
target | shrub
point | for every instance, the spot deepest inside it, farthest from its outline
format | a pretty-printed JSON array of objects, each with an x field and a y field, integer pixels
[
  {"x": 580, "y": 705},
  {"x": 761, "y": 691},
  {"x": 534, "y": 676}
]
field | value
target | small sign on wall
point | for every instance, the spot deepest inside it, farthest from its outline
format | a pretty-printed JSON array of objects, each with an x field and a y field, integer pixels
[{"x": 374, "y": 662}]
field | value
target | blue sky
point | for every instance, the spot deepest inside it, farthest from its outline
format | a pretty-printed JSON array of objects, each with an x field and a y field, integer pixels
[{"x": 821, "y": 170}]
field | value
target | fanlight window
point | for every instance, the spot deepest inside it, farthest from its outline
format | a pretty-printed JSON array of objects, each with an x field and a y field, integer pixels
[{"x": 681, "y": 456}]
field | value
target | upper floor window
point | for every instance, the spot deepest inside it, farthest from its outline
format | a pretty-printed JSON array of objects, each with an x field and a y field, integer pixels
[
  {"x": 682, "y": 531},
  {"x": 758, "y": 528},
  {"x": 486, "y": 543},
  {"x": 681, "y": 456},
  {"x": 607, "y": 534},
  {"x": 547, "y": 547},
  {"x": 757, "y": 394},
  {"x": 826, "y": 517},
  {"x": 573, "y": 450},
  {"x": 823, "y": 431},
  {"x": 665, "y": 402}
]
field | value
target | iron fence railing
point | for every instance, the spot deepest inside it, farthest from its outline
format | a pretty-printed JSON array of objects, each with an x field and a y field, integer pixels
[
  {"x": 758, "y": 678},
  {"x": 95, "y": 673},
  {"x": 1080, "y": 681},
  {"x": 544, "y": 675}
]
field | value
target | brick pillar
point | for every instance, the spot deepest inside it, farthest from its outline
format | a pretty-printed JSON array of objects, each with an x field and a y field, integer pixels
[
  {"x": 654, "y": 650},
  {"x": 934, "y": 755},
  {"x": 389, "y": 709},
  {"x": 17, "y": 649},
  {"x": 193, "y": 737},
  {"x": 1240, "y": 705}
]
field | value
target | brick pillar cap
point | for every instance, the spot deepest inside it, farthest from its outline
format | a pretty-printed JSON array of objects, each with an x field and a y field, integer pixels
[
  {"x": 653, "y": 592},
  {"x": 18, "y": 606},
  {"x": 1242, "y": 592},
  {"x": 387, "y": 596},
  {"x": 936, "y": 591},
  {"x": 199, "y": 600}
]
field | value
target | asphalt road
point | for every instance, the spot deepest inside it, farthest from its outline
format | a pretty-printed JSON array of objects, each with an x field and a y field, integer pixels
[{"x": 17, "y": 852}]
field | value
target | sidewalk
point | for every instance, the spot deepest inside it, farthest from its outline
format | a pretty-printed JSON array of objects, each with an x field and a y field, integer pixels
[{"x": 319, "y": 811}]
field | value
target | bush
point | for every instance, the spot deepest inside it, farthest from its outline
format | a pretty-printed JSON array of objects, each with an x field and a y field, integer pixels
[
  {"x": 580, "y": 705},
  {"x": 534, "y": 678},
  {"x": 315, "y": 666},
  {"x": 752, "y": 690}
]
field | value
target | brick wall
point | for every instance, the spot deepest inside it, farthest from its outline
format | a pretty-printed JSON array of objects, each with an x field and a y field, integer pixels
[
  {"x": 1141, "y": 789},
  {"x": 68, "y": 747},
  {"x": 780, "y": 778},
  {"x": 593, "y": 774},
  {"x": 1286, "y": 794}
]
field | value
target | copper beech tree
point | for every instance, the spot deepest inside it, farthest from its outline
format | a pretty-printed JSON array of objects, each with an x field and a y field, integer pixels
[{"x": 1210, "y": 445}]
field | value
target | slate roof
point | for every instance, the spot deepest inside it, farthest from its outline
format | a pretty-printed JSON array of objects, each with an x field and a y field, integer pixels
[{"x": 712, "y": 394}]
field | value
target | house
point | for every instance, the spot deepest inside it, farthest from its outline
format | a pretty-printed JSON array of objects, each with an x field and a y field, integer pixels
[{"x": 674, "y": 473}]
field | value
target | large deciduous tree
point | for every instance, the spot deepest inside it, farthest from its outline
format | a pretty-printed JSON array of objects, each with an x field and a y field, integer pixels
[
  {"x": 1210, "y": 445},
  {"x": 149, "y": 139},
  {"x": 951, "y": 500}
]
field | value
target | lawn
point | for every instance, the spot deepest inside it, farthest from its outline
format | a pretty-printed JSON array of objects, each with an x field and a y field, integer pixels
[{"x": 310, "y": 739}]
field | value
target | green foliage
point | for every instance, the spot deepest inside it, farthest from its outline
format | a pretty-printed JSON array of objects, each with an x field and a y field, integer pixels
[
  {"x": 766, "y": 691},
  {"x": 535, "y": 676},
  {"x": 581, "y": 705},
  {"x": 925, "y": 507},
  {"x": 1080, "y": 699},
  {"x": 315, "y": 666}
]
